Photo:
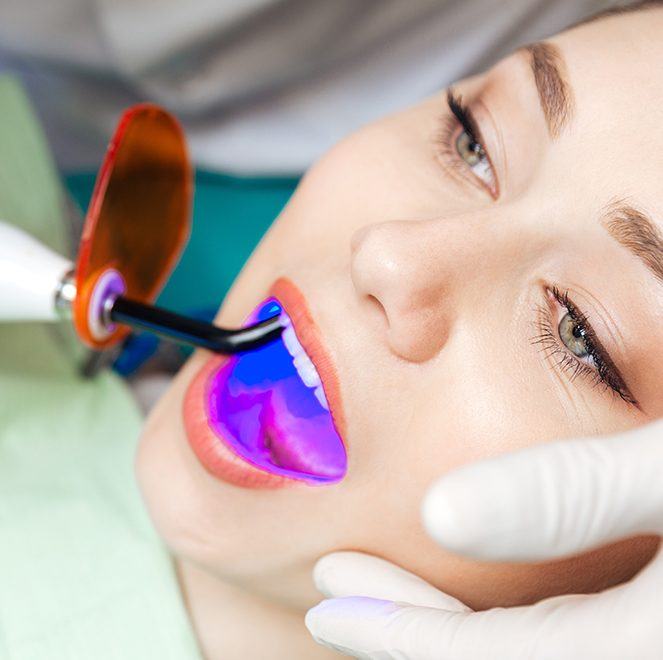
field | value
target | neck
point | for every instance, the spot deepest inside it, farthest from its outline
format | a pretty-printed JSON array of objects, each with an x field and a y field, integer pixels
[{"x": 231, "y": 623}]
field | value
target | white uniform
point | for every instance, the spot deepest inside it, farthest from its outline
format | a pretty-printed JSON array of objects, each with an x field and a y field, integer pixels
[{"x": 262, "y": 86}]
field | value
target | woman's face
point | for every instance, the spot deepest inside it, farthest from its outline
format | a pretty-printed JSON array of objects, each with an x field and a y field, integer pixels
[{"x": 477, "y": 290}]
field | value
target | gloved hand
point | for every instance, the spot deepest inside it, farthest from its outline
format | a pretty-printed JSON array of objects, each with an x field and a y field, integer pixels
[{"x": 536, "y": 504}]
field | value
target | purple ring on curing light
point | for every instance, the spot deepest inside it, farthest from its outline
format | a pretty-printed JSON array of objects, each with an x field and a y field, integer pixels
[{"x": 107, "y": 288}]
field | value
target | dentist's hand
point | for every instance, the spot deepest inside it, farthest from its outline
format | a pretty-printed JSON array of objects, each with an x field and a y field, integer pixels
[{"x": 536, "y": 504}]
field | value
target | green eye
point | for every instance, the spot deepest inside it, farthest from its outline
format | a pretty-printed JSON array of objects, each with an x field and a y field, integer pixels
[
  {"x": 475, "y": 157},
  {"x": 469, "y": 150},
  {"x": 573, "y": 336}
]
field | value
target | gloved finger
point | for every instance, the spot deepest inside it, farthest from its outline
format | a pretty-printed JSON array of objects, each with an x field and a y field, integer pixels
[
  {"x": 342, "y": 574},
  {"x": 551, "y": 500},
  {"x": 613, "y": 625}
]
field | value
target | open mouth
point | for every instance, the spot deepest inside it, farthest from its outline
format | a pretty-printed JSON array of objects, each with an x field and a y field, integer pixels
[{"x": 269, "y": 408}]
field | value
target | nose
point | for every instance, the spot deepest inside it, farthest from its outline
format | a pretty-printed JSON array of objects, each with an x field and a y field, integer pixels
[{"x": 398, "y": 267}]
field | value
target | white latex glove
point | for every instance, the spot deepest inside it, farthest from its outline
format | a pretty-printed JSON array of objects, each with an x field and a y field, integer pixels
[{"x": 536, "y": 504}]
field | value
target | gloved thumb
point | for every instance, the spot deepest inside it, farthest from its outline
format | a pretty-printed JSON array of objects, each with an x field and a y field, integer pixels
[
  {"x": 551, "y": 500},
  {"x": 341, "y": 574},
  {"x": 361, "y": 589}
]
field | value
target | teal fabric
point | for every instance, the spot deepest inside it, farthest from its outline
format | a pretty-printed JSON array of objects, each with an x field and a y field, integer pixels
[
  {"x": 82, "y": 573},
  {"x": 230, "y": 216}
]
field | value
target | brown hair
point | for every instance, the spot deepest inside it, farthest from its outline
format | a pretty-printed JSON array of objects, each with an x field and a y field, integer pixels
[{"x": 623, "y": 8}]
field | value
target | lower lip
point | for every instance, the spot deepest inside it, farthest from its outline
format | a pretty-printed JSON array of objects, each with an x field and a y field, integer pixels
[{"x": 252, "y": 423}]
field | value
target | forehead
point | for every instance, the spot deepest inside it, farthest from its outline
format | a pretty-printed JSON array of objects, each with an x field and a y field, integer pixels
[
  {"x": 613, "y": 67},
  {"x": 613, "y": 63}
]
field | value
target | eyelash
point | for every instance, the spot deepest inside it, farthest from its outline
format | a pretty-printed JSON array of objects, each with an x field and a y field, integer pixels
[
  {"x": 605, "y": 374},
  {"x": 461, "y": 116}
]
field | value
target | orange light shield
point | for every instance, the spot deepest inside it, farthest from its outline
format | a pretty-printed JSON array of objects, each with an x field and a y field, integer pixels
[{"x": 139, "y": 216}]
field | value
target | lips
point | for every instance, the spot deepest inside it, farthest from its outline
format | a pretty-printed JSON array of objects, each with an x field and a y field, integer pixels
[{"x": 271, "y": 417}]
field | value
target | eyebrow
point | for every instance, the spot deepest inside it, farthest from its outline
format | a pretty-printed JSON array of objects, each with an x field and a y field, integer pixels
[
  {"x": 637, "y": 232},
  {"x": 555, "y": 94}
]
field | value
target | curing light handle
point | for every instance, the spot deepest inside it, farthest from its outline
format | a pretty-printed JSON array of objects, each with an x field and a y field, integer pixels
[
  {"x": 31, "y": 277},
  {"x": 185, "y": 330}
]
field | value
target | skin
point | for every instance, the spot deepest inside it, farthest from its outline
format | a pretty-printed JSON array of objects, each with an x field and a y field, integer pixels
[{"x": 425, "y": 288}]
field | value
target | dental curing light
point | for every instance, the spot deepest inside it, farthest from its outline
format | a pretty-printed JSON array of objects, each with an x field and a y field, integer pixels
[{"x": 135, "y": 230}]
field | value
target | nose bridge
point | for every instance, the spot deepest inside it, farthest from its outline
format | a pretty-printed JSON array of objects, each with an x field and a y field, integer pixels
[{"x": 412, "y": 268}]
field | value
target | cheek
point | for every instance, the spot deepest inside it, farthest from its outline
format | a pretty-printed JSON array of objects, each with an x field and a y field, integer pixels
[
  {"x": 461, "y": 418},
  {"x": 425, "y": 455}
]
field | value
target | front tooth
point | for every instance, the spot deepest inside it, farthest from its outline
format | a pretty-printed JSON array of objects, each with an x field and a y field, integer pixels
[
  {"x": 310, "y": 377},
  {"x": 306, "y": 370},
  {"x": 291, "y": 342},
  {"x": 320, "y": 396},
  {"x": 285, "y": 320},
  {"x": 305, "y": 367}
]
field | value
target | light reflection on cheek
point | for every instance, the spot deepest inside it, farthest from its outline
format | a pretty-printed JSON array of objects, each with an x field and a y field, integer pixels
[{"x": 258, "y": 404}]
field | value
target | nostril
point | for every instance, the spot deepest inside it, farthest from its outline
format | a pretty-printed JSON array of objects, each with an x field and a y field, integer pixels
[
  {"x": 417, "y": 339},
  {"x": 402, "y": 285},
  {"x": 378, "y": 310}
]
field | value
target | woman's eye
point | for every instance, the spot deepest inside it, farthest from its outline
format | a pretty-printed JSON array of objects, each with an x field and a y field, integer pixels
[
  {"x": 474, "y": 155},
  {"x": 575, "y": 346},
  {"x": 462, "y": 145},
  {"x": 573, "y": 337}
]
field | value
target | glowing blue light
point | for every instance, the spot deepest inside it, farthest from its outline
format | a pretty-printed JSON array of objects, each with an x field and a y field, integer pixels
[{"x": 259, "y": 405}]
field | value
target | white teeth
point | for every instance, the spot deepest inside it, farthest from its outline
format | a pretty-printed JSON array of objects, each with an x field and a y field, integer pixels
[
  {"x": 290, "y": 340},
  {"x": 306, "y": 370},
  {"x": 285, "y": 320},
  {"x": 320, "y": 396},
  {"x": 302, "y": 362}
]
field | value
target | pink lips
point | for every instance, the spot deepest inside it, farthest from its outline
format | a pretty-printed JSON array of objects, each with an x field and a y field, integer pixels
[{"x": 218, "y": 454}]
